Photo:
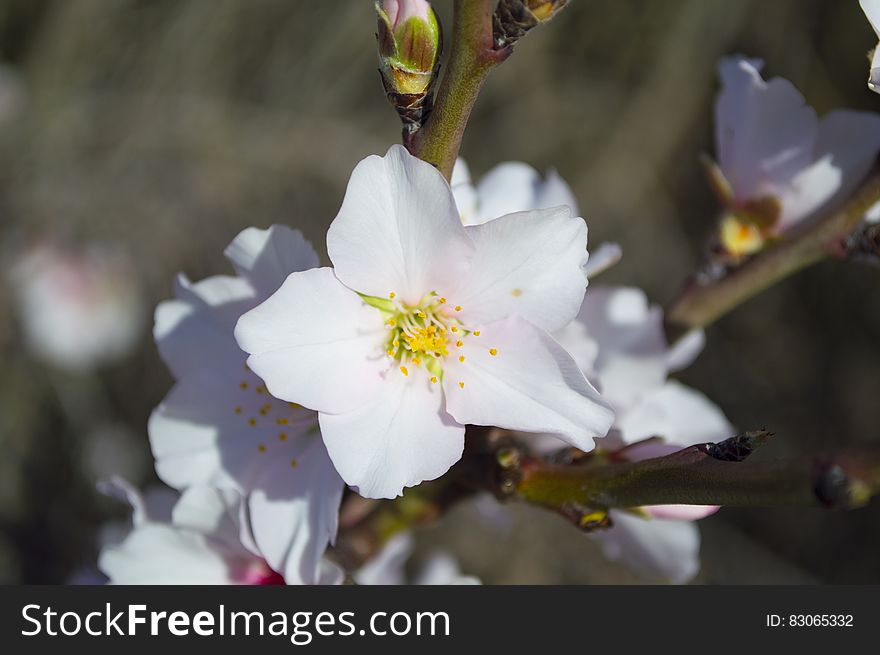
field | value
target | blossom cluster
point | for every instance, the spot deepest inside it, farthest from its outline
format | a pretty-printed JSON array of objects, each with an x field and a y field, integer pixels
[{"x": 446, "y": 305}]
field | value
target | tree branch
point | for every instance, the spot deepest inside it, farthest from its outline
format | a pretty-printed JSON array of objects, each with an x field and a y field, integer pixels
[
  {"x": 472, "y": 56},
  {"x": 701, "y": 303}
]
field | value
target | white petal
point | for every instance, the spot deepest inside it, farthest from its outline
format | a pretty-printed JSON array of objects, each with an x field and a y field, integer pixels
[
  {"x": 387, "y": 567},
  {"x": 195, "y": 330},
  {"x": 632, "y": 345},
  {"x": 553, "y": 192},
  {"x": 266, "y": 257},
  {"x": 441, "y": 568},
  {"x": 398, "y": 230},
  {"x": 846, "y": 149},
  {"x": 677, "y": 413},
  {"x": 764, "y": 130},
  {"x": 155, "y": 505},
  {"x": 527, "y": 264},
  {"x": 685, "y": 351},
  {"x": 531, "y": 384},
  {"x": 667, "y": 549},
  {"x": 602, "y": 258},
  {"x": 872, "y": 11},
  {"x": 316, "y": 343},
  {"x": 507, "y": 188},
  {"x": 161, "y": 554},
  {"x": 399, "y": 440},
  {"x": 294, "y": 510},
  {"x": 218, "y": 427},
  {"x": 213, "y": 512},
  {"x": 464, "y": 192}
]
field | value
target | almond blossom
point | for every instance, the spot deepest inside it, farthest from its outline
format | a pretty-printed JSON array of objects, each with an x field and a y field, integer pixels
[
  {"x": 424, "y": 325},
  {"x": 204, "y": 538},
  {"x": 619, "y": 342},
  {"x": 220, "y": 426},
  {"x": 778, "y": 163}
]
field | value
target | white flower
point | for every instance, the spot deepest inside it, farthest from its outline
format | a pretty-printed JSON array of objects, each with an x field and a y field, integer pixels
[
  {"x": 203, "y": 539},
  {"x": 387, "y": 567},
  {"x": 220, "y": 426},
  {"x": 619, "y": 342},
  {"x": 79, "y": 307},
  {"x": 424, "y": 325},
  {"x": 778, "y": 163},
  {"x": 872, "y": 11}
]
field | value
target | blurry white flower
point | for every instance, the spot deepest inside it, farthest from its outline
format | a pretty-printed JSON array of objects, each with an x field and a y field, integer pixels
[
  {"x": 203, "y": 539},
  {"x": 872, "y": 11},
  {"x": 619, "y": 342},
  {"x": 78, "y": 308},
  {"x": 387, "y": 567},
  {"x": 425, "y": 325},
  {"x": 778, "y": 163},
  {"x": 220, "y": 426}
]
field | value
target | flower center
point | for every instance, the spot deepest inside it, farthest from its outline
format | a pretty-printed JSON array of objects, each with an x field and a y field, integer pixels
[{"x": 421, "y": 334}]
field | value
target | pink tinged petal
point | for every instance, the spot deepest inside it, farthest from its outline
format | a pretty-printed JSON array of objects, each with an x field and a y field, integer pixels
[
  {"x": 387, "y": 567},
  {"x": 398, "y": 230},
  {"x": 681, "y": 512},
  {"x": 678, "y": 413},
  {"x": 529, "y": 384},
  {"x": 845, "y": 152},
  {"x": 402, "y": 438},
  {"x": 632, "y": 346},
  {"x": 294, "y": 508},
  {"x": 316, "y": 343},
  {"x": 764, "y": 130},
  {"x": 195, "y": 330},
  {"x": 665, "y": 549},
  {"x": 602, "y": 258},
  {"x": 527, "y": 264},
  {"x": 266, "y": 257}
]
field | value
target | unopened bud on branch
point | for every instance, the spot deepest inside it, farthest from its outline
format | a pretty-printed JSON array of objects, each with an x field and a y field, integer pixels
[
  {"x": 513, "y": 18},
  {"x": 410, "y": 42}
]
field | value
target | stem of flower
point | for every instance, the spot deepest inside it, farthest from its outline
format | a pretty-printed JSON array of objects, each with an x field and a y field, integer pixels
[
  {"x": 471, "y": 58},
  {"x": 700, "y": 304},
  {"x": 707, "y": 474}
]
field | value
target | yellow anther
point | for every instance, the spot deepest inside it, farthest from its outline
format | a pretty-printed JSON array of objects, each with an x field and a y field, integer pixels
[
  {"x": 294, "y": 405},
  {"x": 390, "y": 352},
  {"x": 476, "y": 333},
  {"x": 282, "y": 421},
  {"x": 238, "y": 410},
  {"x": 395, "y": 343},
  {"x": 262, "y": 448},
  {"x": 252, "y": 422},
  {"x": 454, "y": 329},
  {"x": 294, "y": 463},
  {"x": 434, "y": 379},
  {"x": 493, "y": 351},
  {"x": 391, "y": 322},
  {"x": 263, "y": 411},
  {"x": 282, "y": 436},
  {"x": 459, "y": 343},
  {"x": 261, "y": 390},
  {"x": 458, "y": 308},
  {"x": 243, "y": 385},
  {"x": 416, "y": 361},
  {"x": 403, "y": 370},
  {"x": 392, "y": 295},
  {"x": 421, "y": 314},
  {"x": 442, "y": 301},
  {"x": 461, "y": 358},
  {"x": 461, "y": 384}
]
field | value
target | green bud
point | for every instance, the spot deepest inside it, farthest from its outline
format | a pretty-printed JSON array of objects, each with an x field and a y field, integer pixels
[{"x": 409, "y": 45}]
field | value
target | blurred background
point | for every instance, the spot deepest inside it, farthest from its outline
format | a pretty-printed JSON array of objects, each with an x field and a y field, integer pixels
[{"x": 137, "y": 137}]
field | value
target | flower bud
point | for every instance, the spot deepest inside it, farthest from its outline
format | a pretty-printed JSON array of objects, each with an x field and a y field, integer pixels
[
  {"x": 513, "y": 18},
  {"x": 410, "y": 41}
]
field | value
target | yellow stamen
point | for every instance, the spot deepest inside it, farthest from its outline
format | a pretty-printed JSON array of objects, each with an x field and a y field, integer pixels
[
  {"x": 434, "y": 379},
  {"x": 262, "y": 448},
  {"x": 282, "y": 436},
  {"x": 294, "y": 463},
  {"x": 282, "y": 421},
  {"x": 476, "y": 333},
  {"x": 238, "y": 410},
  {"x": 458, "y": 308},
  {"x": 459, "y": 343},
  {"x": 461, "y": 358},
  {"x": 493, "y": 351},
  {"x": 252, "y": 422},
  {"x": 461, "y": 384},
  {"x": 403, "y": 370},
  {"x": 392, "y": 295}
]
